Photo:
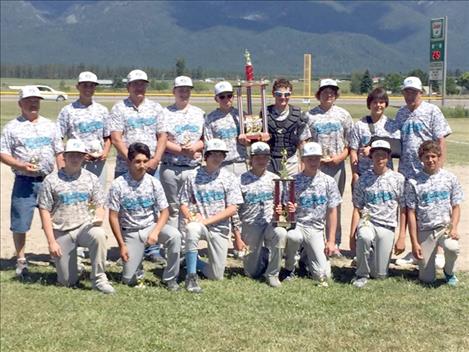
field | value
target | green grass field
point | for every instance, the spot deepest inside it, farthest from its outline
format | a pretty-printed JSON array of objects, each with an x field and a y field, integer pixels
[{"x": 236, "y": 314}]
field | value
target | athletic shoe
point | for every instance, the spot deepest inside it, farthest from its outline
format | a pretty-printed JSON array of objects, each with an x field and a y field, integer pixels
[
  {"x": 336, "y": 253},
  {"x": 451, "y": 280},
  {"x": 440, "y": 260},
  {"x": 359, "y": 282},
  {"x": 104, "y": 287},
  {"x": 172, "y": 285},
  {"x": 409, "y": 259},
  {"x": 273, "y": 281},
  {"x": 238, "y": 254},
  {"x": 191, "y": 284},
  {"x": 289, "y": 275},
  {"x": 21, "y": 271}
]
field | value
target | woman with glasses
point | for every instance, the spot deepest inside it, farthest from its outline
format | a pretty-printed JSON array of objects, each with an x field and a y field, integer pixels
[
  {"x": 331, "y": 126},
  {"x": 287, "y": 128}
]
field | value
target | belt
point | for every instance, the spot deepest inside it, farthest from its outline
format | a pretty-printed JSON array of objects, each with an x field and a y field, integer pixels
[{"x": 31, "y": 178}]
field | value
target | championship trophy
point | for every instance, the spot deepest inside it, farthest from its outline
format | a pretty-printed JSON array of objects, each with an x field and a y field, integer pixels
[
  {"x": 284, "y": 192},
  {"x": 251, "y": 124}
]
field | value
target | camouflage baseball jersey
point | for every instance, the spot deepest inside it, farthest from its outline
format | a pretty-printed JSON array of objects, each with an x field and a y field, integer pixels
[{"x": 432, "y": 197}]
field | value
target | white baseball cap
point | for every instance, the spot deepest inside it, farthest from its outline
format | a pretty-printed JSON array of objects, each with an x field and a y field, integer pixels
[
  {"x": 260, "y": 148},
  {"x": 328, "y": 82},
  {"x": 412, "y": 83},
  {"x": 222, "y": 87},
  {"x": 29, "y": 91},
  {"x": 182, "y": 81},
  {"x": 137, "y": 75},
  {"x": 311, "y": 149},
  {"x": 215, "y": 145},
  {"x": 75, "y": 145},
  {"x": 380, "y": 144},
  {"x": 87, "y": 76}
]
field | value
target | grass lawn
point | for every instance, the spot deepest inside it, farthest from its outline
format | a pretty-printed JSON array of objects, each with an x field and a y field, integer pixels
[{"x": 237, "y": 314}]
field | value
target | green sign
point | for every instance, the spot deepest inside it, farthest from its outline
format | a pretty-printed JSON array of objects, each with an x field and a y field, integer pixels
[
  {"x": 437, "y": 51},
  {"x": 437, "y": 29}
]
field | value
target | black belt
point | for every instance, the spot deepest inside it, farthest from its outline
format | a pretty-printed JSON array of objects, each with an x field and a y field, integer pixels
[{"x": 31, "y": 178}]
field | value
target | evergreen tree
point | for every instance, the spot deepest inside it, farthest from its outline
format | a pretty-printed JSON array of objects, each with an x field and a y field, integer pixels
[{"x": 366, "y": 84}]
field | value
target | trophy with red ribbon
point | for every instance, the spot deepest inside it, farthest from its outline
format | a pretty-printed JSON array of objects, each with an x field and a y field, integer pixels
[
  {"x": 284, "y": 192},
  {"x": 251, "y": 124}
]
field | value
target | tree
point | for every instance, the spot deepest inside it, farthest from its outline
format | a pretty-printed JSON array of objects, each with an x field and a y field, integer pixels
[
  {"x": 355, "y": 81},
  {"x": 366, "y": 83},
  {"x": 451, "y": 87},
  {"x": 180, "y": 66},
  {"x": 420, "y": 74},
  {"x": 393, "y": 82},
  {"x": 463, "y": 80}
]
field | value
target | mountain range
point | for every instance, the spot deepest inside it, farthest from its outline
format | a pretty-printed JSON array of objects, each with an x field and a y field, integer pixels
[{"x": 342, "y": 36}]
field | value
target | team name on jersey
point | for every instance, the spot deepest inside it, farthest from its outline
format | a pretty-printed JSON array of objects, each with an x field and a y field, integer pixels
[
  {"x": 37, "y": 142},
  {"x": 137, "y": 203},
  {"x": 434, "y": 196},
  {"x": 69, "y": 198},
  {"x": 327, "y": 127},
  {"x": 86, "y": 127},
  {"x": 139, "y": 122},
  {"x": 258, "y": 197}
]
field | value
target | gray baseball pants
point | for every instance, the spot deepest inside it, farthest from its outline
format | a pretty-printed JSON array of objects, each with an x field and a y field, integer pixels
[
  {"x": 172, "y": 179},
  {"x": 429, "y": 242},
  {"x": 89, "y": 236},
  {"x": 258, "y": 236},
  {"x": 236, "y": 168},
  {"x": 217, "y": 246},
  {"x": 313, "y": 241},
  {"x": 338, "y": 174},
  {"x": 135, "y": 240},
  {"x": 374, "y": 250}
]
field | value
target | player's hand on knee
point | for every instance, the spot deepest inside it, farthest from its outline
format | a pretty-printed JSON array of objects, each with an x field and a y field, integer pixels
[
  {"x": 454, "y": 234},
  {"x": 54, "y": 250},
  {"x": 124, "y": 253},
  {"x": 417, "y": 251},
  {"x": 152, "y": 239}
]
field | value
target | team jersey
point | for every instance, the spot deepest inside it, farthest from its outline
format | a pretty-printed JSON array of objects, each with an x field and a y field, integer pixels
[
  {"x": 137, "y": 124},
  {"x": 183, "y": 126},
  {"x": 433, "y": 197},
  {"x": 258, "y": 195},
  {"x": 361, "y": 136},
  {"x": 330, "y": 128},
  {"x": 314, "y": 195},
  {"x": 69, "y": 198},
  {"x": 210, "y": 194},
  {"x": 380, "y": 196},
  {"x": 225, "y": 126},
  {"x": 90, "y": 124},
  {"x": 138, "y": 203},
  {"x": 425, "y": 123},
  {"x": 32, "y": 142}
]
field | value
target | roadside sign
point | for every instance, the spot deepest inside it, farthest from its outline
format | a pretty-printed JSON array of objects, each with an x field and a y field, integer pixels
[{"x": 438, "y": 57}]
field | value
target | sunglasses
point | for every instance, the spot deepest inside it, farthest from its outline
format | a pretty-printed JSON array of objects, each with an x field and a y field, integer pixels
[
  {"x": 223, "y": 96},
  {"x": 282, "y": 94}
]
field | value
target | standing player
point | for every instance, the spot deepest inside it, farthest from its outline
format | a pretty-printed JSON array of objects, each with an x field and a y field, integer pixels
[
  {"x": 30, "y": 145},
  {"x": 184, "y": 123},
  {"x": 261, "y": 237},
  {"x": 138, "y": 212},
  {"x": 287, "y": 128},
  {"x": 138, "y": 119},
  {"x": 87, "y": 121},
  {"x": 418, "y": 121},
  {"x": 209, "y": 197},
  {"x": 317, "y": 198},
  {"x": 64, "y": 204},
  {"x": 331, "y": 126},
  {"x": 377, "y": 197},
  {"x": 433, "y": 201}
]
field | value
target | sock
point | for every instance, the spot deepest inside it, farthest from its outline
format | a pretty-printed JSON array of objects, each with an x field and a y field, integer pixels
[{"x": 191, "y": 262}]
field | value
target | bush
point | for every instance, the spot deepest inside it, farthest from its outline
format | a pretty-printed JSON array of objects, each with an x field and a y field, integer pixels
[
  {"x": 159, "y": 85},
  {"x": 455, "y": 112}
]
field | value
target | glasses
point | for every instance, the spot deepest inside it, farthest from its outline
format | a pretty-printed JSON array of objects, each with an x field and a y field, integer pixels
[
  {"x": 282, "y": 94},
  {"x": 223, "y": 96}
]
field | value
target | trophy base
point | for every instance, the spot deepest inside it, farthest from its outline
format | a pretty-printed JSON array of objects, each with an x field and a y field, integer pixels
[
  {"x": 254, "y": 137},
  {"x": 285, "y": 224}
]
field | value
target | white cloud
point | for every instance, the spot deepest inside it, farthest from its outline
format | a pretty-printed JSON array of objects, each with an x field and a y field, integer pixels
[
  {"x": 71, "y": 19},
  {"x": 253, "y": 17}
]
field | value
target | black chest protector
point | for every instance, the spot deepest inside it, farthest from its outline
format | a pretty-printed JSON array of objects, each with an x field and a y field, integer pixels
[{"x": 285, "y": 134}]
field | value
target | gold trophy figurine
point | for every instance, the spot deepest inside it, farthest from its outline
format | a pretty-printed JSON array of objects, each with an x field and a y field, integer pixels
[
  {"x": 284, "y": 192},
  {"x": 35, "y": 160}
]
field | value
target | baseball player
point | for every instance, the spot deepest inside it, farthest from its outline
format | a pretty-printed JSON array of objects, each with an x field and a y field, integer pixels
[
  {"x": 375, "y": 124},
  {"x": 331, "y": 126},
  {"x": 184, "y": 123},
  {"x": 377, "y": 197},
  {"x": 138, "y": 213},
  {"x": 317, "y": 199},
  {"x": 64, "y": 206},
  {"x": 30, "y": 146},
  {"x": 258, "y": 232},
  {"x": 88, "y": 121},
  {"x": 418, "y": 121},
  {"x": 223, "y": 123},
  {"x": 433, "y": 201},
  {"x": 138, "y": 119},
  {"x": 288, "y": 128},
  {"x": 209, "y": 198}
]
